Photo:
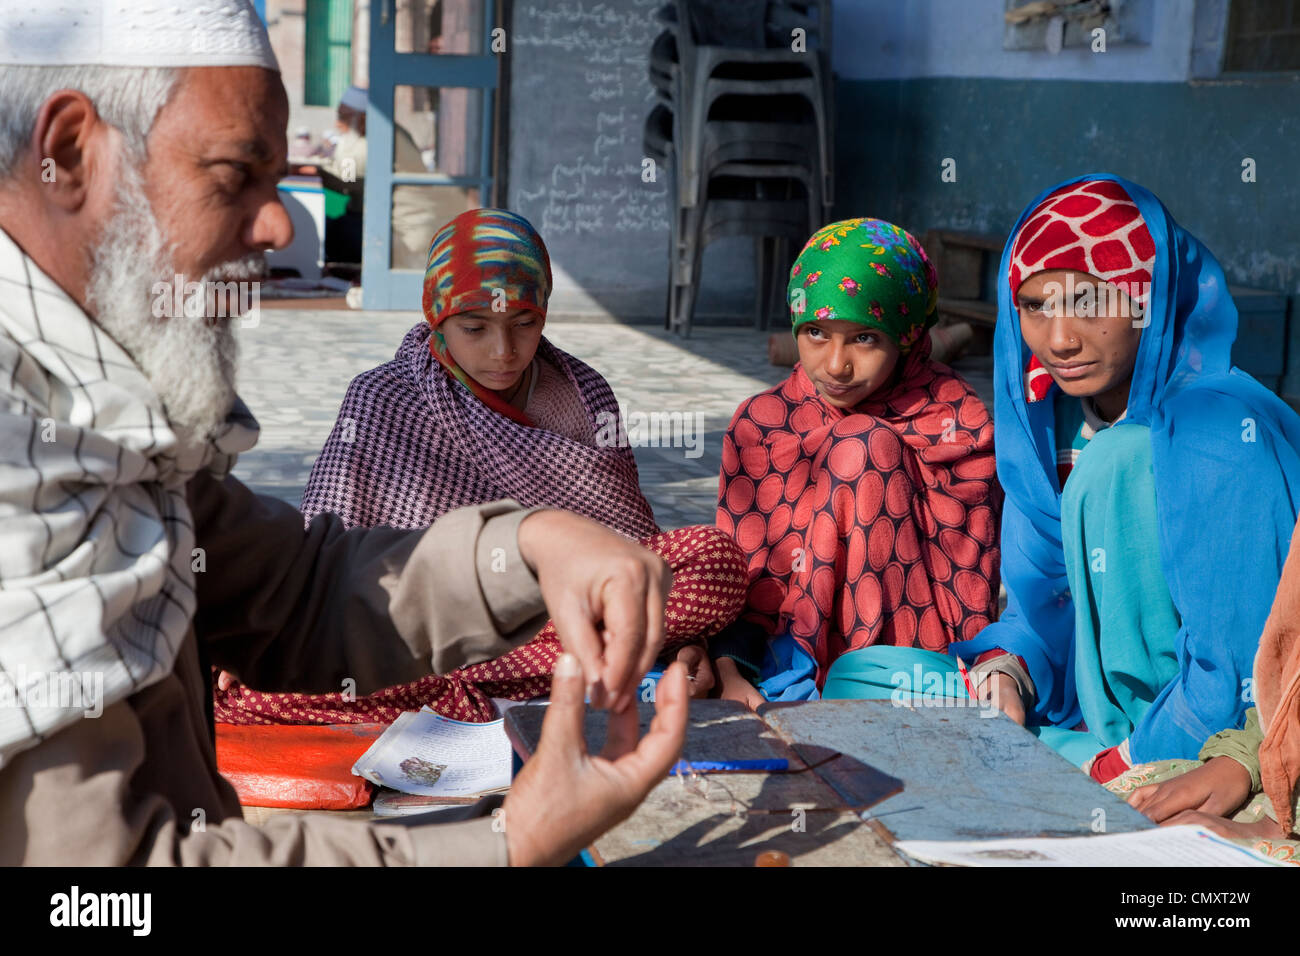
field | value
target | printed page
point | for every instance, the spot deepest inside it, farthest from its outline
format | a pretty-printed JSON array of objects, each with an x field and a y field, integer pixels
[
  {"x": 426, "y": 754},
  {"x": 1159, "y": 846}
]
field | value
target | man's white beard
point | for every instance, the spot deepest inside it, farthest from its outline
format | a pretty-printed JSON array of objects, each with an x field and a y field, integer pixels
[{"x": 190, "y": 362}]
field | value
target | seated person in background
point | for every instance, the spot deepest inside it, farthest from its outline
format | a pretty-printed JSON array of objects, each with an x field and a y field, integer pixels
[
  {"x": 413, "y": 218},
  {"x": 861, "y": 489},
  {"x": 478, "y": 406},
  {"x": 1249, "y": 776},
  {"x": 345, "y": 173},
  {"x": 1151, "y": 487}
]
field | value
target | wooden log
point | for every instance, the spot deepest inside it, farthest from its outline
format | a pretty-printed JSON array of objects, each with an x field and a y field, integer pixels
[
  {"x": 948, "y": 342},
  {"x": 781, "y": 350}
]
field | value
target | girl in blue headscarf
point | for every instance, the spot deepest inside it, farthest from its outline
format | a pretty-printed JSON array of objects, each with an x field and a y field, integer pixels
[{"x": 1151, "y": 487}]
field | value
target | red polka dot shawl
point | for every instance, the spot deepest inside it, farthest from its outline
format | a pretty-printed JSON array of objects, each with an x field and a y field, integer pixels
[{"x": 871, "y": 526}]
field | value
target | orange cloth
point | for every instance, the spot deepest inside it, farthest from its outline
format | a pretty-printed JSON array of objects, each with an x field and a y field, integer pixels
[
  {"x": 300, "y": 767},
  {"x": 1277, "y": 692}
]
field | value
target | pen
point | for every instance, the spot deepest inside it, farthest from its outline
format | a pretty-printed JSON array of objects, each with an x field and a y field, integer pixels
[
  {"x": 683, "y": 767},
  {"x": 970, "y": 689}
]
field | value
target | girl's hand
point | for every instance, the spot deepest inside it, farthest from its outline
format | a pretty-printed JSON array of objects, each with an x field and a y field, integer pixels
[
  {"x": 1265, "y": 829},
  {"x": 699, "y": 670},
  {"x": 734, "y": 685},
  {"x": 1217, "y": 787},
  {"x": 1004, "y": 692}
]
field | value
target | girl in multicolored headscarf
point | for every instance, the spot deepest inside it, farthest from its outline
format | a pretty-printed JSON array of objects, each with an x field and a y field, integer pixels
[
  {"x": 1152, "y": 488},
  {"x": 861, "y": 489},
  {"x": 477, "y": 406}
]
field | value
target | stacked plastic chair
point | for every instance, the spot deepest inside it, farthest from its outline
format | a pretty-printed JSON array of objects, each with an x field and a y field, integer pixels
[{"x": 742, "y": 126}]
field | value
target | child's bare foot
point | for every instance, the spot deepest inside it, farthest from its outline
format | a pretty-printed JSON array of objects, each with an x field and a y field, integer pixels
[{"x": 734, "y": 686}]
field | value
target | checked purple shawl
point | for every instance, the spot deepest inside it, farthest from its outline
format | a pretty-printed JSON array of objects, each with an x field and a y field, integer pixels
[{"x": 411, "y": 443}]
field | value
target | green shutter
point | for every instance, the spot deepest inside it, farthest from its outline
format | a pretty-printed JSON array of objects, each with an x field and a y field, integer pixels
[{"x": 328, "y": 54}]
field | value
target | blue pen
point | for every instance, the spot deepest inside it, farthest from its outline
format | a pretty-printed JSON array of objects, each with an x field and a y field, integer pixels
[{"x": 722, "y": 766}]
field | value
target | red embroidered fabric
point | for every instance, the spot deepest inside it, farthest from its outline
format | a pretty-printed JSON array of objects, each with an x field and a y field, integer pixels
[{"x": 707, "y": 594}]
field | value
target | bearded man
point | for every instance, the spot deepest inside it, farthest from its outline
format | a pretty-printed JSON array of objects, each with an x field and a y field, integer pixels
[{"x": 143, "y": 145}]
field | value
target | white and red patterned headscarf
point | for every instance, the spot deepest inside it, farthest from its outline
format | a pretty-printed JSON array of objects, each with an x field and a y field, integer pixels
[{"x": 1091, "y": 226}]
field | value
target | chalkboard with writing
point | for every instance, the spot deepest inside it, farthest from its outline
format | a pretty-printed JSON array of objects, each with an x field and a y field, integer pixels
[{"x": 579, "y": 94}]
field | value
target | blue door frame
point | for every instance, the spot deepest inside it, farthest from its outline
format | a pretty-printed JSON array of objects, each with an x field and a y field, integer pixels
[{"x": 383, "y": 287}]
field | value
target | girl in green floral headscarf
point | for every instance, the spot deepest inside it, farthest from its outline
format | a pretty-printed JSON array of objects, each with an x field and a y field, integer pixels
[
  {"x": 861, "y": 489},
  {"x": 854, "y": 274}
]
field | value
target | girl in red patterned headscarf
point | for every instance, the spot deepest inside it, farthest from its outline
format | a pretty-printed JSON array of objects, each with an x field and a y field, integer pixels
[
  {"x": 861, "y": 489},
  {"x": 1135, "y": 458}
]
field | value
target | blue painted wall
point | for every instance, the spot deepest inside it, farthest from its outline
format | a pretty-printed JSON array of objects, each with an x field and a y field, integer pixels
[
  {"x": 902, "y": 39},
  {"x": 1012, "y": 138},
  {"x": 926, "y": 80}
]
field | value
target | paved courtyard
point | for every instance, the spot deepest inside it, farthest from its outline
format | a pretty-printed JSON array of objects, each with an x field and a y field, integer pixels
[{"x": 296, "y": 365}]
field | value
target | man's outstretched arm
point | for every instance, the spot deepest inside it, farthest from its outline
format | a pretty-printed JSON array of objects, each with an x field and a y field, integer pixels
[{"x": 291, "y": 609}]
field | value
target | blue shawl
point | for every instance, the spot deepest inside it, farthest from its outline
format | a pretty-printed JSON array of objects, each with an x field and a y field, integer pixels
[{"x": 1226, "y": 458}]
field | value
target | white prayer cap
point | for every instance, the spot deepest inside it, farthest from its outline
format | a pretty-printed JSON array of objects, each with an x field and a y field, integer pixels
[
  {"x": 141, "y": 33},
  {"x": 355, "y": 98}
]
